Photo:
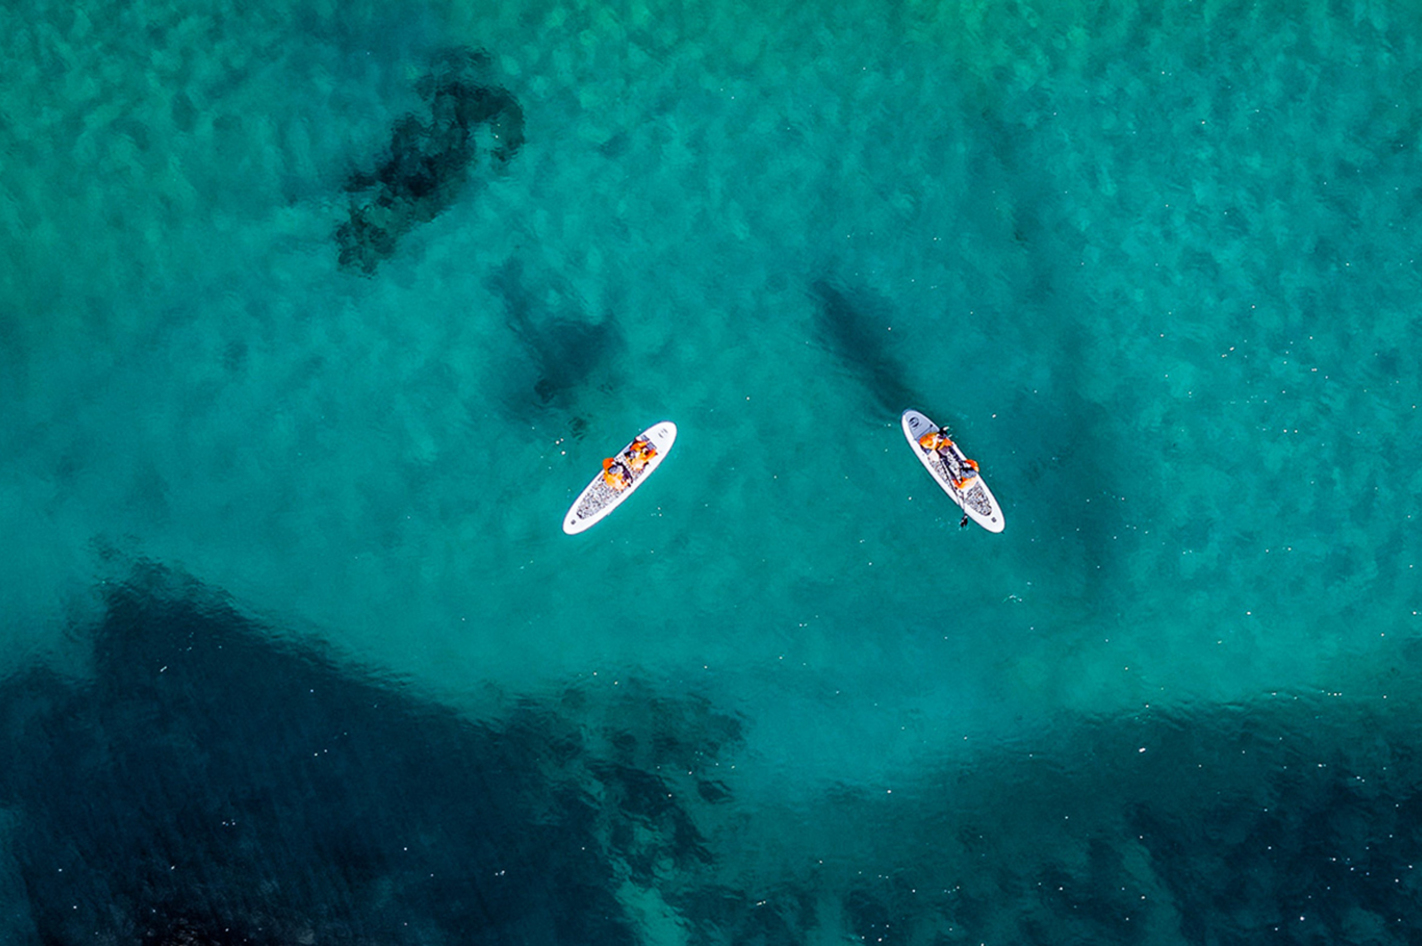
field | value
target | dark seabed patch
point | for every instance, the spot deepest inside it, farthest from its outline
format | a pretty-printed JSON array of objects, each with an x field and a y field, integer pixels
[
  {"x": 1293, "y": 819},
  {"x": 431, "y": 157},
  {"x": 213, "y": 785},
  {"x": 854, "y": 326},
  {"x": 568, "y": 352},
  {"x": 210, "y": 783}
]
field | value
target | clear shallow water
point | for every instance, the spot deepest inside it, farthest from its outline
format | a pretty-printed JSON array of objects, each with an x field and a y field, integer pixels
[{"x": 1156, "y": 266}]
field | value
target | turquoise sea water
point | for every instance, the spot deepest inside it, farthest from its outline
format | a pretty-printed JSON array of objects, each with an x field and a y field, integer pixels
[{"x": 314, "y": 320}]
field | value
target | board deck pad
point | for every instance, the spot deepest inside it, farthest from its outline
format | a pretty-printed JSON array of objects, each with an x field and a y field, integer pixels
[
  {"x": 598, "y": 499},
  {"x": 977, "y": 500}
]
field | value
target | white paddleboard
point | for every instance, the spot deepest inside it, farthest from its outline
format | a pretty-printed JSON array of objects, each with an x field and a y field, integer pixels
[
  {"x": 599, "y": 498},
  {"x": 975, "y": 497}
]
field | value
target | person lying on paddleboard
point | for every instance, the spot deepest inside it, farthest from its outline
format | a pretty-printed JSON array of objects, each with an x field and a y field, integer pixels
[
  {"x": 615, "y": 474},
  {"x": 639, "y": 453},
  {"x": 936, "y": 440},
  {"x": 958, "y": 472}
]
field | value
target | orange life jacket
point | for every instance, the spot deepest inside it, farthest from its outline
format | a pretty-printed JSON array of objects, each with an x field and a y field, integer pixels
[{"x": 614, "y": 477}]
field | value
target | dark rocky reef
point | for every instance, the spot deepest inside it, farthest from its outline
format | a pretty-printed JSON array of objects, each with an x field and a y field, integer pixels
[
  {"x": 211, "y": 784},
  {"x": 431, "y": 157}
]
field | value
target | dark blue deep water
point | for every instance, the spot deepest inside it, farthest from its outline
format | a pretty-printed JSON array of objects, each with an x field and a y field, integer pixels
[{"x": 315, "y": 318}]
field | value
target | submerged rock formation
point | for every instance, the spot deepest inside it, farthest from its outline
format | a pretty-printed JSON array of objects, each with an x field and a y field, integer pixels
[
  {"x": 431, "y": 157},
  {"x": 212, "y": 784},
  {"x": 208, "y": 782},
  {"x": 567, "y": 350}
]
